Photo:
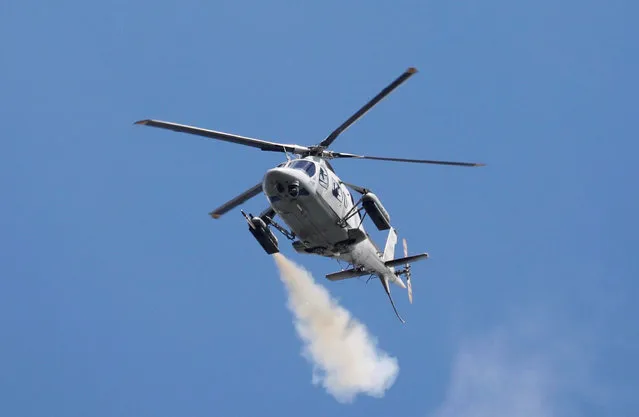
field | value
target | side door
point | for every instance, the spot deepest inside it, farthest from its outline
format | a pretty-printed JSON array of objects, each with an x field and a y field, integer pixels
[{"x": 330, "y": 191}]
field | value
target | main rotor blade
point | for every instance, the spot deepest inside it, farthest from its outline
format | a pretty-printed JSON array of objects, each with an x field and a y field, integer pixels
[
  {"x": 226, "y": 137},
  {"x": 330, "y": 138},
  {"x": 357, "y": 188},
  {"x": 246, "y": 195},
  {"x": 419, "y": 161}
]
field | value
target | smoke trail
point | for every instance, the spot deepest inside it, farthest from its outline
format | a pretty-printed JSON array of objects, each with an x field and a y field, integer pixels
[{"x": 345, "y": 358}]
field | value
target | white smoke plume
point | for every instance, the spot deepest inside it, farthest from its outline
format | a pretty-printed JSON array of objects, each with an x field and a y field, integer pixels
[
  {"x": 488, "y": 380},
  {"x": 345, "y": 358},
  {"x": 527, "y": 367}
]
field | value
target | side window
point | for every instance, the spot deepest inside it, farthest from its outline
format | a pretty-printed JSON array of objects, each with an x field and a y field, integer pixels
[
  {"x": 337, "y": 191},
  {"x": 310, "y": 169},
  {"x": 348, "y": 200},
  {"x": 323, "y": 178}
]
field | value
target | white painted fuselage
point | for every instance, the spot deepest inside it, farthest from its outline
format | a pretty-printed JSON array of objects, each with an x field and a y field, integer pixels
[{"x": 310, "y": 198}]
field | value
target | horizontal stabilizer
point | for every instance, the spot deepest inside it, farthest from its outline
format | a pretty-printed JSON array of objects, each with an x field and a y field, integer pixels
[
  {"x": 406, "y": 260},
  {"x": 348, "y": 273}
]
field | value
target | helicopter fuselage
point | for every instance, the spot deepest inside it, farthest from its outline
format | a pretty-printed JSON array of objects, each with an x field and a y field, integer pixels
[{"x": 311, "y": 199}]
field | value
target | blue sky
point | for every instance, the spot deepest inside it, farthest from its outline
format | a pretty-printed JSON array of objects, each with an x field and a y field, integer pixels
[{"x": 120, "y": 296}]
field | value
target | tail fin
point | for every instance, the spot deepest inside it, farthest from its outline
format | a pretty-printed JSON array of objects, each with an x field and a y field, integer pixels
[{"x": 389, "y": 249}]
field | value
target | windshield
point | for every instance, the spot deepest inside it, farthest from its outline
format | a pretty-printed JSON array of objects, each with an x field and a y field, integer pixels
[{"x": 304, "y": 165}]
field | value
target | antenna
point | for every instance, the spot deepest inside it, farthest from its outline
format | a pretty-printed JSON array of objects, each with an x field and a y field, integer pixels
[{"x": 288, "y": 158}]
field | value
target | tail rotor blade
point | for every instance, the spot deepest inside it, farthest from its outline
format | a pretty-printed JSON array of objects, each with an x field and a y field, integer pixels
[{"x": 409, "y": 284}]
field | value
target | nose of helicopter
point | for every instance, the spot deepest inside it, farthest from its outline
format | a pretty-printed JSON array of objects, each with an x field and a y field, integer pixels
[{"x": 285, "y": 182}]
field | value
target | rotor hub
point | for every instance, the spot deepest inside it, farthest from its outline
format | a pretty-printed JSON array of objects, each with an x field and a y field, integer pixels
[{"x": 315, "y": 151}]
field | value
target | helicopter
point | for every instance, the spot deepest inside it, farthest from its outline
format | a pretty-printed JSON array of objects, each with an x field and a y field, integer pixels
[{"x": 322, "y": 216}]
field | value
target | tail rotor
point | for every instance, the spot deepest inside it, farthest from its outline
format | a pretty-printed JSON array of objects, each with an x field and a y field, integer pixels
[{"x": 407, "y": 273}]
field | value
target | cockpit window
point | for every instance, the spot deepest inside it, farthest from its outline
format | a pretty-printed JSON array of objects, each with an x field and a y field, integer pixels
[{"x": 304, "y": 165}]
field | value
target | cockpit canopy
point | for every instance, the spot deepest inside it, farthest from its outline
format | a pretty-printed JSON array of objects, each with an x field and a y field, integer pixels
[{"x": 303, "y": 165}]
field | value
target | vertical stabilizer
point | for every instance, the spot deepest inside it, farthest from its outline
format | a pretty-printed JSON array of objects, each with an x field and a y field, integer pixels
[{"x": 389, "y": 249}]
